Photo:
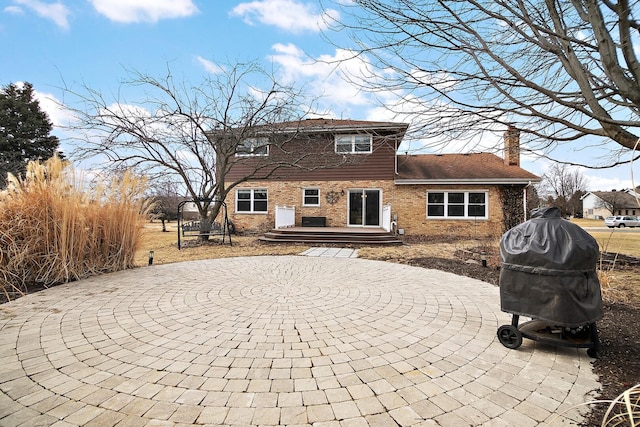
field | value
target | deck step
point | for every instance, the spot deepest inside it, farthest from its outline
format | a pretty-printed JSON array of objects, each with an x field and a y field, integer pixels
[{"x": 331, "y": 235}]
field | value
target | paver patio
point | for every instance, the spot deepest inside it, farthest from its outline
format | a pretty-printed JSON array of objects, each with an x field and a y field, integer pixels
[{"x": 289, "y": 340}]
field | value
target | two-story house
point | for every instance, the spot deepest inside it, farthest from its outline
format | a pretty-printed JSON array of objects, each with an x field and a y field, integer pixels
[{"x": 362, "y": 182}]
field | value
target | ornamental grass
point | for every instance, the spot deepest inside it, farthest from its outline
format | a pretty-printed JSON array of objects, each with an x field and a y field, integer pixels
[{"x": 56, "y": 228}]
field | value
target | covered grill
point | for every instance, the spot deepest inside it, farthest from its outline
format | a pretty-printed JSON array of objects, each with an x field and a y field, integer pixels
[{"x": 548, "y": 273}]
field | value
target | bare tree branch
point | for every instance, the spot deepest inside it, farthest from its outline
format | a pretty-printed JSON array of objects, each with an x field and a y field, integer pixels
[
  {"x": 563, "y": 186},
  {"x": 564, "y": 72},
  {"x": 193, "y": 134}
]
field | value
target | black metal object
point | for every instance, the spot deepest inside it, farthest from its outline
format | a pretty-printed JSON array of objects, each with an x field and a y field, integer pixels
[
  {"x": 225, "y": 228},
  {"x": 537, "y": 330},
  {"x": 548, "y": 273},
  {"x": 314, "y": 221}
]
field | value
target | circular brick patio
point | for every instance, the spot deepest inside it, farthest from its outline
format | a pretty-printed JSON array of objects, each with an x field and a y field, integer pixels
[{"x": 277, "y": 341}]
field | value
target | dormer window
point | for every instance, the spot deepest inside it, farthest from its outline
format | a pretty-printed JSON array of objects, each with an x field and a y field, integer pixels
[
  {"x": 353, "y": 144},
  {"x": 253, "y": 147}
]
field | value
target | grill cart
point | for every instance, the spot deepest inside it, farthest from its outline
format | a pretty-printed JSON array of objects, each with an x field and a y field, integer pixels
[{"x": 548, "y": 273}]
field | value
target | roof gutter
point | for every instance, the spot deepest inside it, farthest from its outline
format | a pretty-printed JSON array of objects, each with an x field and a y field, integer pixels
[{"x": 329, "y": 128}]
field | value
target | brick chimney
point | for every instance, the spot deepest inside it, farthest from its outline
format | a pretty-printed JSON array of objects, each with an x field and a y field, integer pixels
[{"x": 512, "y": 146}]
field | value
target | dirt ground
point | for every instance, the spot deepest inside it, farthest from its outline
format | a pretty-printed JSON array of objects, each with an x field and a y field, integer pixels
[{"x": 617, "y": 365}]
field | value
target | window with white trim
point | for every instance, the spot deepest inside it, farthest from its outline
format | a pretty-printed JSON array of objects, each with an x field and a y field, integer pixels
[
  {"x": 353, "y": 144},
  {"x": 253, "y": 147},
  {"x": 311, "y": 197},
  {"x": 457, "y": 204},
  {"x": 251, "y": 200}
]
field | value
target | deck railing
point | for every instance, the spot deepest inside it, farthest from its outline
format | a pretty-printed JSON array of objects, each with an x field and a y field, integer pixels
[
  {"x": 386, "y": 218},
  {"x": 285, "y": 216}
]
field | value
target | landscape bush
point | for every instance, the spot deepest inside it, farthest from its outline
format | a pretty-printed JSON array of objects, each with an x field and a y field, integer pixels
[{"x": 55, "y": 227}]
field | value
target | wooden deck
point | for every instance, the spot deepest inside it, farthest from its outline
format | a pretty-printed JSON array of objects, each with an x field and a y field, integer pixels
[{"x": 332, "y": 235}]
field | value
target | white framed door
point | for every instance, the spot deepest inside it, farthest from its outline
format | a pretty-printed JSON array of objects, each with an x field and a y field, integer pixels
[{"x": 365, "y": 207}]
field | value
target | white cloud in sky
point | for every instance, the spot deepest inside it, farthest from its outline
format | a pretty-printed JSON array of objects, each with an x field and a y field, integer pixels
[
  {"x": 599, "y": 182},
  {"x": 55, "y": 110},
  {"x": 327, "y": 77},
  {"x": 132, "y": 11},
  {"x": 16, "y": 10},
  {"x": 59, "y": 116},
  {"x": 289, "y": 15},
  {"x": 597, "y": 179},
  {"x": 56, "y": 12},
  {"x": 209, "y": 66}
]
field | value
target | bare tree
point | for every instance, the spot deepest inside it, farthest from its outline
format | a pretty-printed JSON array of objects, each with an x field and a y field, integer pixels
[
  {"x": 194, "y": 134},
  {"x": 566, "y": 72},
  {"x": 563, "y": 186},
  {"x": 165, "y": 197}
]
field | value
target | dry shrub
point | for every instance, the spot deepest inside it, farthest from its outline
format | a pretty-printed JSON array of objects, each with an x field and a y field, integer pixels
[
  {"x": 609, "y": 292},
  {"x": 54, "y": 230},
  {"x": 606, "y": 269},
  {"x": 624, "y": 410}
]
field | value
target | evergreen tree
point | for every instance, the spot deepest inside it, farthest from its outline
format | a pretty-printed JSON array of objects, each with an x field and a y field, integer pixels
[{"x": 24, "y": 130}]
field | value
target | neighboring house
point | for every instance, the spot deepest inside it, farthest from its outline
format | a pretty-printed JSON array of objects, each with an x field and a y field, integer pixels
[
  {"x": 374, "y": 187},
  {"x": 600, "y": 204}
]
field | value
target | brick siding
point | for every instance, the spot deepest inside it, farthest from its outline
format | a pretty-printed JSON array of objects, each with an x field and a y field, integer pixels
[{"x": 408, "y": 203}]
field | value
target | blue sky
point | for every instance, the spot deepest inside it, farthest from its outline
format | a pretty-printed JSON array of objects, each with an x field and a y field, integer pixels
[{"x": 51, "y": 43}]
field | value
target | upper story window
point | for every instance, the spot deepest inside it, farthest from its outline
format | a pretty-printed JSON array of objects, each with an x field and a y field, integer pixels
[
  {"x": 253, "y": 147},
  {"x": 457, "y": 204},
  {"x": 353, "y": 144}
]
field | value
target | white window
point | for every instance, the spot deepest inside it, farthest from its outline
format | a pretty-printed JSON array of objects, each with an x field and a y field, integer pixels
[
  {"x": 252, "y": 200},
  {"x": 457, "y": 204},
  {"x": 253, "y": 147},
  {"x": 353, "y": 144},
  {"x": 311, "y": 197}
]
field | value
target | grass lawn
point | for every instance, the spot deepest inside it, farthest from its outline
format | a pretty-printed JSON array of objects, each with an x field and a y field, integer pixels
[
  {"x": 165, "y": 249},
  {"x": 618, "y": 283},
  {"x": 164, "y": 245},
  {"x": 613, "y": 240}
]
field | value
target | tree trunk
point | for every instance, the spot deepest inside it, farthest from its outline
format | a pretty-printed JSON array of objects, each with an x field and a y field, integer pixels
[{"x": 207, "y": 218}]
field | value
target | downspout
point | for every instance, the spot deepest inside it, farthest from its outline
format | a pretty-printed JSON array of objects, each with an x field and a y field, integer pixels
[
  {"x": 395, "y": 155},
  {"x": 524, "y": 196}
]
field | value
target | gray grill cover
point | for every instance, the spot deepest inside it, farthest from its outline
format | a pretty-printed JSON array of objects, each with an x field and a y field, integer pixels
[{"x": 549, "y": 271}]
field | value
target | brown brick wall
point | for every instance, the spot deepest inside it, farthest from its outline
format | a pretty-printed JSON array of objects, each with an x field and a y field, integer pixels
[
  {"x": 411, "y": 206},
  {"x": 408, "y": 202},
  {"x": 289, "y": 193}
]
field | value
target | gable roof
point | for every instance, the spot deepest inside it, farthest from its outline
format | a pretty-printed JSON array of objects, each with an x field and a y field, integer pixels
[
  {"x": 474, "y": 168},
  {"x": 623, "y": 198}
]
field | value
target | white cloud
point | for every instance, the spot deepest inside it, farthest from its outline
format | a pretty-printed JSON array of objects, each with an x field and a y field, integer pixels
[
  {"x": 330, "y": 77},
  {"x": 56, "y": 12},
  {"x": 16, "y": 10},
  {"x": 61, "y": 117},
  {"x": 131, "y": 11},
  {"x": 58, "y": 114},
  {"x": 609, "y": 179},
  {"x": 209, "y": 66},
  {"x": 599, "y": 181},
  {"x": 289, "y": 15}
]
